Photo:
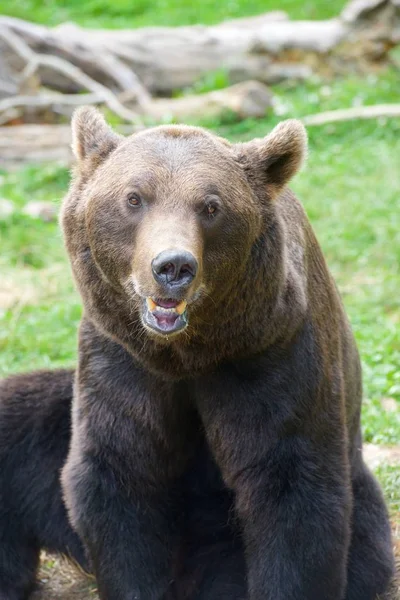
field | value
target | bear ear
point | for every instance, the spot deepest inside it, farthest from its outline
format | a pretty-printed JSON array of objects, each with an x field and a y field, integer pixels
[
  {"x": 277, "y": 157},
  {"x": 92, "y": 138}
]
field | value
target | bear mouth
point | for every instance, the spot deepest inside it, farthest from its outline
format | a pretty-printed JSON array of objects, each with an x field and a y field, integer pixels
[{"x": 165, "y": 316}]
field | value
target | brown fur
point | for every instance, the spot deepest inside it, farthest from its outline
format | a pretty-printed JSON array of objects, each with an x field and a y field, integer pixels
[
  {"x": 235, "y": 273},
  {"x": 265, "y": 377}
]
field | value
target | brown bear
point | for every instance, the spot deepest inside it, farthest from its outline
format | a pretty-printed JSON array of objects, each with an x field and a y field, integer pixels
[{"x": 216, "y": 446}]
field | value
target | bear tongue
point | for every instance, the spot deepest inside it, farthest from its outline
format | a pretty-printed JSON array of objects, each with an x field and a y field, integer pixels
[
  {"x": 169, "y": 303},
  {"x": 166, "y": 320}
]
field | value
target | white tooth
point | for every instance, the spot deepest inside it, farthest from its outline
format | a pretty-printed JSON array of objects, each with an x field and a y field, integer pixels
[
  {"x": 151, "y": 305},
  {"x": 181, "y": 307}
]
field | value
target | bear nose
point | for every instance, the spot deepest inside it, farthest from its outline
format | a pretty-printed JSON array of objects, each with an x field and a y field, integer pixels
[{"x": 174, "y": 268}]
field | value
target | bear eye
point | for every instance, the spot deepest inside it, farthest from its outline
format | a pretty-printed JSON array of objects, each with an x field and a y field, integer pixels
[
  {"x": 134, "y": 200},
  {"x": 211, "y": 209}
]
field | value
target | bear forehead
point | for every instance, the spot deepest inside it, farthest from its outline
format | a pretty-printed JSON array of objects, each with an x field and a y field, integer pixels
[
  {"x": 181, "y": 132},
  {"x": 176, "y": 147},
  {"x": 173, "y": 155}
]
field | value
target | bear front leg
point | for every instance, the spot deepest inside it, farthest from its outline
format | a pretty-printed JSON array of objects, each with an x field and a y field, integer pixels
[
  {"x": 371, "y": 561},
  {"x": 129, "y": 535},
  {"x": 291, "y": 487},
  {"x": 129, "y": 445}
]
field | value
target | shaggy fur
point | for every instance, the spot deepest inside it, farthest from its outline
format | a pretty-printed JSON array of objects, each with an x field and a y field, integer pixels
[{"x": 224, "y": 461}]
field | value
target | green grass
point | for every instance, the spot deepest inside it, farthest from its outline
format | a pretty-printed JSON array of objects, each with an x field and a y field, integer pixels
[
  {"x": 389, "y": 477},
  {"x": 140, "y": 13},
  {"x": 39, "y": 328},
  {"x": 350, "y": 189}
]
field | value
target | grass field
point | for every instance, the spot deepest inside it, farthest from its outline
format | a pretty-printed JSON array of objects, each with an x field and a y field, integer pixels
[
  {"x": 141, "y": 13},
  {"x": 350, "y": 189}
]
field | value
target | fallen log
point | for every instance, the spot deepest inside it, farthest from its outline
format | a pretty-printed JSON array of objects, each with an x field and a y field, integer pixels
[
  {"x": 34, "y": 61},
  {"x": 267, "y": 48},
  {"x": 31, "y": 144},
  {"x": 243, "y": 100}
]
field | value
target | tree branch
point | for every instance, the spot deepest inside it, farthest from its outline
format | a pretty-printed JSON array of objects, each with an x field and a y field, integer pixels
[
  {"x": 350, "y": 114},
  {"x": 35, "y": 60}
]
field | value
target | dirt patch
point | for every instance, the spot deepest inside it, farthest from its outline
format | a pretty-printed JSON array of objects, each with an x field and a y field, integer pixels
[
  {"x": 375, "y": 455},
  {"x": 12, "y": 295},
  {"x": 59, "y": 580}
]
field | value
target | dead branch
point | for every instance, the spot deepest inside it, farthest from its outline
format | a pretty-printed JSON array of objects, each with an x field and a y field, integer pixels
[
  {"x": 41, "y": 143},
  {"x": 120, "y": 68},
  {"x": 351, "y": 114},
  {"x": 267, "y": 48},
  {"x": 244, "y": 100},
  {"x": 248, "y": 99},
  {"x": 35, "y": 60},
  {"x": 49, "y": 101},
  {"x": 9, "y": 115},
  {"x": 126, "y": 78}
]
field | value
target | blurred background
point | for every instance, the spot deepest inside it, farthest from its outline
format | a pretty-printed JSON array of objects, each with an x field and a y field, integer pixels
[{"x": 237, "y": 67}]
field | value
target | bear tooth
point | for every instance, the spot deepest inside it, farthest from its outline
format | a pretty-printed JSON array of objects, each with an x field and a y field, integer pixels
[
  {"x": 181, "y": 307},
  {"x": 151, "y": 305}
]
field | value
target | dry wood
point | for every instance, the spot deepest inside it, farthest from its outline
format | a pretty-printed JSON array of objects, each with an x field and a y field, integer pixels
[
  {"x": 244, "y": 100},
  {"x": 115, "y": 66},
  {"x": 53, "y": 101},
  {"x": 120, "y": 76},
  {"x": 36, "y": 60},
  {"x": 248, "y": 99},
  {"x": 266, "y": 48},
  {"x": 35, "y": 143},
  {"x": 40, "y": 143},
  {"x": 350, "y": 114}
]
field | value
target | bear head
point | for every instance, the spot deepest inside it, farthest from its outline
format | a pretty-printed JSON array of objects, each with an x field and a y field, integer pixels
[{"x": 161, "y": 226}]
